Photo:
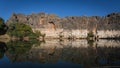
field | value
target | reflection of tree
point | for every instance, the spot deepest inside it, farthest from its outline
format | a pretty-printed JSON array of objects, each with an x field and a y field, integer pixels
[
  {"x": 19, "y": 49},
  {"x": 91, "y": 42},
  {"x": 3, "y": 27},
  {"x": 3, "y": 48}
]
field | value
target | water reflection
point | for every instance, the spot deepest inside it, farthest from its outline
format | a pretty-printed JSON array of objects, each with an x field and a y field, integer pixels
[
  {"x": 83, "y": 53},
  {"x": 3, "y": 49}
]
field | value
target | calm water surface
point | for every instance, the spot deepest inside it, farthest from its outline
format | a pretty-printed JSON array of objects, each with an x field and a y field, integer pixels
[{"x": 60, "y": 54}]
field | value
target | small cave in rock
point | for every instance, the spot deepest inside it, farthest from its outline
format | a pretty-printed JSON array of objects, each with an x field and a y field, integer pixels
[
  {"x": 42, "y": 17},
  {"x": 51, "y": 22},
  {"x": 27, "y": 18},
  {"x": 31, "y": 23},
  {"x": 113, "y": 13},
  {"x": 53, "y": 25},
  {"x": 73, "y": 18},
  {"x": 108, "y": 22},
  {"x": 15, "y": 17},
  {"x": 108, "y": 15}
]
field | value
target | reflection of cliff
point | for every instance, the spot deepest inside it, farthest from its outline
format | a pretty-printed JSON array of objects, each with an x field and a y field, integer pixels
[
  {"x": 78, "y": 27},
  {"x": 78, "y": 52}
]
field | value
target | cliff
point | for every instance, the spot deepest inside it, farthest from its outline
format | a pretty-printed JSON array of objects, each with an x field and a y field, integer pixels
[{"x": 71, "y": 27}]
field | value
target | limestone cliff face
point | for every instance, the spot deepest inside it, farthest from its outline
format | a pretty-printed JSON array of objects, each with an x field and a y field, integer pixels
[{"x": 72, "y": 26}]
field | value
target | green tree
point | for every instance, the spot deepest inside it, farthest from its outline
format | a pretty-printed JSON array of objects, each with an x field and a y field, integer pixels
[
  {"x": 1, "y": 23},
  {"x": 90, "y": 34},
  {"x": 3, "y": 27},
  {"x": 22, "y": 30},
  {"x": 38, "y": 33},
  {"x": 19, "y": 30}
]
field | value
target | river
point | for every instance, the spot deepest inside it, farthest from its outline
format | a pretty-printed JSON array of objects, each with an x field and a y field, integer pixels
[{"x": 60, "y": 54}]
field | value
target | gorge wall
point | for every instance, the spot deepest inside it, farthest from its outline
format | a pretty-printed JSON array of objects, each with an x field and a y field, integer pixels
[{"x": 72, "y": 26}]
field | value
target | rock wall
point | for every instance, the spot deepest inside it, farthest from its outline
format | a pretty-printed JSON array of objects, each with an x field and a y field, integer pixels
[
  {"x": 109, "y": 33},
  {"x": 71, "y": 27}
]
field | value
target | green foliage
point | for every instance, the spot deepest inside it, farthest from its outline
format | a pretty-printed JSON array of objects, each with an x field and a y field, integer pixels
[
  {"x": 1, "y": 23},
  {"x": 38, "y": 33},
  {"x": 90, "y": 34},
  {"x": 90, "y": 38},
  {"x": 19, "y": 47},
  {"x": 3, "y": 27},
  {"x": 19, "y": 30},
  {"x": 22, "y": 30},
  {"x": 32, "y": 36}
]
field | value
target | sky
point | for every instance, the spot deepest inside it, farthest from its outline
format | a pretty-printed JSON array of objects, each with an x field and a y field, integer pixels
[{"x": 60, "y": 7}]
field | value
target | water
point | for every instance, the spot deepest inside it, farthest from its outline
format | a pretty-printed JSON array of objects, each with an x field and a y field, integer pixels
[{"x": 60, "y": 54}]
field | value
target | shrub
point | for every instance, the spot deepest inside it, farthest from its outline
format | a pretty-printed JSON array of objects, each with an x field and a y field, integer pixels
[
  {"x": 38, "y": 33},
  {"x": 3, "y": 27},
  {"x": 1, "y": 23},
  {"x": 23, "y": 30},
  {"x": 19, "y": 30},
  {"x": 90, "y": 34}
]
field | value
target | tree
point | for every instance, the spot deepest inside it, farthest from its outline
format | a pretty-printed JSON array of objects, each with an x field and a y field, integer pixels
[
  {"x": 1, "y": 23},
  {"x": 19, "y": 30},
  {"x": 3, "y": 27}
]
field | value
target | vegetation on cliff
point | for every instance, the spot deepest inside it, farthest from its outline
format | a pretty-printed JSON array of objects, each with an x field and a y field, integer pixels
[
  {"x": 21, "y": 30},
  {"x": 3, "y": 27},
  {"x": 90, "y": 34}
]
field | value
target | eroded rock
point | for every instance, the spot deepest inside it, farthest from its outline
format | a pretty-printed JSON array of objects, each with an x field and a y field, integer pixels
[{"x": 53, "y": 26}]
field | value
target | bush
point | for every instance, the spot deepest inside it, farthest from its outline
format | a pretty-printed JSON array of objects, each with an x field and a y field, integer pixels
[
  {"x": 90, "y": 34},
  {"x": 23, "y": 30},
  {"x": 1, "y": 23},
  {"x": 38, "y": 33},
  {"x": 3, "y": 27},
  {"x": 19, "y": 30},
  {"x": 90, "y": 38}
]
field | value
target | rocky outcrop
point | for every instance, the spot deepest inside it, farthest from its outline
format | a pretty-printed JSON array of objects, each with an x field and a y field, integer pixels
[{"x": 71, "y": 27}]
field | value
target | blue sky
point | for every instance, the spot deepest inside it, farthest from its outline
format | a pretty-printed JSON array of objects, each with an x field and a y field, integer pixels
[{"x": 60, "y": 7}]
